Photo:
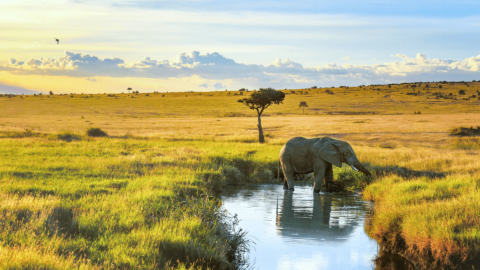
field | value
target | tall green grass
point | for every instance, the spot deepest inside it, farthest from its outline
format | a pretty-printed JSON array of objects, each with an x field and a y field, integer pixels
[
  {"x": 125, "y": 202},
  {"x": 121, "y": 203}
]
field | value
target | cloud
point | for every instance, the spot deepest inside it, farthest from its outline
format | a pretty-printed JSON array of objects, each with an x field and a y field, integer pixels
[
  {"x": 283, "y": 74},
  {"x": 218, "y": 86},
  {"x": 346, "y": 58},
  {"x": 92, "y": 79}
]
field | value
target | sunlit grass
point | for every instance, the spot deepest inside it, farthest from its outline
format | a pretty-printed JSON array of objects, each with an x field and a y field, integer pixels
[
  {"x": 116, "y": 203},
  {"x": 141, "y": 197}
]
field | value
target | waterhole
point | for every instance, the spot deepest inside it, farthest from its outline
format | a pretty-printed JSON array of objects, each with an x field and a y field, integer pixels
[{"x": 302, "y": 230}]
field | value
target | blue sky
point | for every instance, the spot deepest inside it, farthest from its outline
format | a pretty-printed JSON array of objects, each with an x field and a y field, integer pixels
[{"x": 354, "y": 36}]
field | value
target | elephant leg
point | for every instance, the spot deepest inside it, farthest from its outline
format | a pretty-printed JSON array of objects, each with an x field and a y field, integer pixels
[
  {"x": 288, "y": 173},
  {"x": 318, "y": 180},
  {"x": 289, "y": 181},
  {"x": 328, "y": 177}
]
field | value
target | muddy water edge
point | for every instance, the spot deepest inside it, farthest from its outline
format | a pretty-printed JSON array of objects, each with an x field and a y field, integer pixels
[{"x": 302, "y": 230}]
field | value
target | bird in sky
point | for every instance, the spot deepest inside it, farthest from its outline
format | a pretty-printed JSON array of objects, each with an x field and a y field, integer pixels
[{"x": 57, "y": 40}]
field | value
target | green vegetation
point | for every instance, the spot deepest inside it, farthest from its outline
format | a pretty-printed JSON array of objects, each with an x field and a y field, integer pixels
[
  {"x": 434, "y": 221},
  {"x": 120, "y": 203},
  {"x": 96, "y": 132},
  {"x": 461, "y": 131},
  {"x": 426, "y": 205},
  {"x": 143, "y": 197}
]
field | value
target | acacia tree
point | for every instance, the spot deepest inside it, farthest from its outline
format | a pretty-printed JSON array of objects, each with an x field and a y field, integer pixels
[
  {"x": 303, "y": 104},
  {"x": 259, "y": 101}
]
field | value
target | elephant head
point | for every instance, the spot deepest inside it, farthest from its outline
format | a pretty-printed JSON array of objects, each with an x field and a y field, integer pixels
[{"x": 337, "y": 152}]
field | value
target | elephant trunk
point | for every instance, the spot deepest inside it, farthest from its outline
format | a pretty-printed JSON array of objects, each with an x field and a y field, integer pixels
[{"x": 360, "y": 167}]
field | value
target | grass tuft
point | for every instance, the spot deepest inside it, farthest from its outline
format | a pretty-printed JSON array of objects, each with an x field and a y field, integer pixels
[{"x": 96, "y": 132}]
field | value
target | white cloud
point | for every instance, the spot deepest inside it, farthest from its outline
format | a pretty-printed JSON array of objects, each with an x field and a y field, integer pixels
[
  {"x": 346, "y": 58},
  {"x": 214, "y": 67}
]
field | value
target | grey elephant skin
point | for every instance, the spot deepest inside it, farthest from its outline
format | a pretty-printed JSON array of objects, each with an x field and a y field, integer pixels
[{"x": 302, "y": 156}]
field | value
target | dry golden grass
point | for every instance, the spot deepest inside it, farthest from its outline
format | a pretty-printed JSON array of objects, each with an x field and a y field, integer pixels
[{"x": 425, "y": 187}]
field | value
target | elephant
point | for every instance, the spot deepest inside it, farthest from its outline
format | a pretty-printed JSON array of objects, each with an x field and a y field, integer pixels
[
  {"x": 318, "y": 222},
  {"x": 300, "y": 155}
]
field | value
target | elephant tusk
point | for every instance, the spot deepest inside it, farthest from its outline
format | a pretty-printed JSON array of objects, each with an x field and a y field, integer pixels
[{"x": 354, "y": 168}]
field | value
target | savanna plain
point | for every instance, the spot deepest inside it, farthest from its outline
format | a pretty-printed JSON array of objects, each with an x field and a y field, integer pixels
[{"x": 144, "y": 196}]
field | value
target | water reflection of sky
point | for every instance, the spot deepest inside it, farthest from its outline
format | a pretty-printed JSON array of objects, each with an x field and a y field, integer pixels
[{"x": 305, "y": 231}]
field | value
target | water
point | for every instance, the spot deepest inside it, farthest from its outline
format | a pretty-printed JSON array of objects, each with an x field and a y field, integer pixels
[{"x": 302, "y": 230}]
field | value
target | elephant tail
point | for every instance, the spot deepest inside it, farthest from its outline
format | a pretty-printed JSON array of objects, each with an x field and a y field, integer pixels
[{"x": 278, "y": 174}]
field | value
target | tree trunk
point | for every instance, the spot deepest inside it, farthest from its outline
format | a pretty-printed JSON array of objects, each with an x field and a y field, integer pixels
[{"x": 261, "y": 139}]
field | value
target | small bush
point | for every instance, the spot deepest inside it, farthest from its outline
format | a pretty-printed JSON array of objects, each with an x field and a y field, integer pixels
[
  {"x": 273, "y": 167},
  {"x": 263, "y": 175},
  {"x": 246, "y": 166},
  {"x": 96, "y": 132},
  {"x": 232, "y": 175},
  {"x": 68, "y": 137},
  {"x": 461, "y": 131},
  {"x": 214, "y": 181}
]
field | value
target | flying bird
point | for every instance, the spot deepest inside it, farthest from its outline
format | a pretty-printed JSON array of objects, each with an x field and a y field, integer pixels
[{"x": 57, "y": 40}]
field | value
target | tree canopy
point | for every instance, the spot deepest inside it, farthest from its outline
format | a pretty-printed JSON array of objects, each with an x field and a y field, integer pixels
[
  {"x": 262, "y": 99},
  {"x": 303, "y": 104}
]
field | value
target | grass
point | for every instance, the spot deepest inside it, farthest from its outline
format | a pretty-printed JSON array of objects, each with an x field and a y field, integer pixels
[
  {"x": 143, "y": 196},
  {"x": 118, "y": 203}
]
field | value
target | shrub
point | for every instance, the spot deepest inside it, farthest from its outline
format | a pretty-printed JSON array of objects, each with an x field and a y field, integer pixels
[
  {"x": 273, "y": 167},
  {"x": 96, "y": 132},
  {"x": 461, "y": 131},
  {"x": 214, "y": 181},
  {"x": 246, "y": 166},
  {"x": 232, "y": 175},
  {"x": 67, "y": 136},
  {"x": 263, "y": 174}
]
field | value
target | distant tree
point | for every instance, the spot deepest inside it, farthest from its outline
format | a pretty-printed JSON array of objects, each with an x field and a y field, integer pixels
[
  {"x": 259, "y": 101},
  {"x": 440, "y": 86},
  {"x": 461, "y": 92},
  {"x": 129, "y": 89},
  {"x": 51, "y": 93},
  {"x": 389, "y": 86},
  {"x": 303, "y": 105}
]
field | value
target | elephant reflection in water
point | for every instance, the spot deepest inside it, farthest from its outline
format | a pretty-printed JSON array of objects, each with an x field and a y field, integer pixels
[{"x": 301, "y": 222}]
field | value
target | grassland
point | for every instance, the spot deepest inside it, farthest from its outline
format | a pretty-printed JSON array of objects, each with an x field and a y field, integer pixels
[{"x": 142, "y": 197}]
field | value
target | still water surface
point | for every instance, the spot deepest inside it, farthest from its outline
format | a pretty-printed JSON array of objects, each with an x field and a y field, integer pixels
[{"x": 302, "y": 230}]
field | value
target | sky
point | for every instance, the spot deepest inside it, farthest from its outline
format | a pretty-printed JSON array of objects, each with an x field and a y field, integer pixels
[{"x": 107, "y": 46}]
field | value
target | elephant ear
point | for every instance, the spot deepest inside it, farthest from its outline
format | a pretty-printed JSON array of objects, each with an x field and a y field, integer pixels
[{"x": 331, "y": 153}]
